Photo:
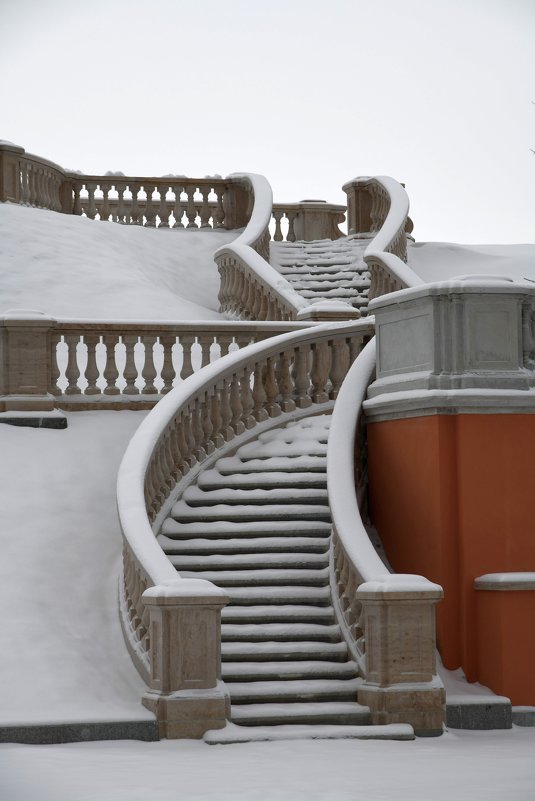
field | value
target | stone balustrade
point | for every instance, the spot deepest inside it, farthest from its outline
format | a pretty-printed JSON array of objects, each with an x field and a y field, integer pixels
[
  {"x": 167, "y": 201},
  {"x": 306, "y": 221},
  {"x": 77, "y": 364},
  {"x": 388, "y": 620},
  {"x": 292, "y": 373}
]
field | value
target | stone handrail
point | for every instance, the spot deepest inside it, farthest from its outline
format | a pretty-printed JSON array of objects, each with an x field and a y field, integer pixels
[
  {"x": 388, "y": 620},
  {"x": 287, "y": 374},
  {"x": 250, "y": 288},
  {"x": 164, "y": 201},
  {"x": 307, "y": 220},
  {"x": 379, "y": 207},
  {"x": 99, "y": 364}
]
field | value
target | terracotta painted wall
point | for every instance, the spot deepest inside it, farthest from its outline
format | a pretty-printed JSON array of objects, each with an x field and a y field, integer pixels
[{"x": 452, "y": 497}]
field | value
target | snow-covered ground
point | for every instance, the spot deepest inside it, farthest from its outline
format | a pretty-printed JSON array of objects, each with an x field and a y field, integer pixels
[
  {"x": 459, "y": 766},
  {"x": 69, "y": 266}
]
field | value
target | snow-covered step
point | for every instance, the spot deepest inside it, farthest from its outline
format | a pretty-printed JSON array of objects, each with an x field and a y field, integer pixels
[
  {"x": 235, "y": 561},
  {"x": 253, "y": 734},
  {"x": 195, "y": 496},
  {"x": 182, "y": 512},
  {"x": 267, "y": 577},
  {"x": 244, "y": 545},
  {"x": 274, "y": 632},
  {"x": 253, "y": 596},
  {"x": 289, "y": 464},
  {"x": 291, "y": 651},
  {"x": 294, "y": 690},
  {"x": 278, "y": 614},
  {"x": 278, "y": 448},
  {"x": 215, "y": 479},
  {"x": 332, "y": 712},
  {"x": 238, "y": 528},
  {"x": 287, "y": 671}
]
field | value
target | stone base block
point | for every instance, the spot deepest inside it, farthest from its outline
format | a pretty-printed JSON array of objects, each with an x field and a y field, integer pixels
[
  {"x": 187, "y": 714},
  {"x": 524, "y": 715},
  {"x": 28, "y": 403},
  {"x": 487, "y": 715},
  {"x": 54, "y": 419},
  {"x": 422, "y": 708}
]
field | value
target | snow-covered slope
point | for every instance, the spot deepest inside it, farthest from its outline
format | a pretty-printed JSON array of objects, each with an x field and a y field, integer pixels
[
  {"x": 71, "y": 266},
  {"x": 438, "y": 261}
]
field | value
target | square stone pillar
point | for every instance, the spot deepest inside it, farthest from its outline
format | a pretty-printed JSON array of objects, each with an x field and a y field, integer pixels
[
  {"x": 359, "y": 206},
  {"x": 186, "y": 695},
  {"x": 399, "y": 631},
  {"x": 26, "y": 361}
]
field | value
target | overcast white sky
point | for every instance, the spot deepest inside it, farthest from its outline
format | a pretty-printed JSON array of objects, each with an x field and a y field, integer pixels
[{"x": 436, "y": 93}]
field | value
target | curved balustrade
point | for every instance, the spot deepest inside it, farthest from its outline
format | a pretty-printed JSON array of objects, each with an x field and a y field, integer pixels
[
  {"x": 30, "y": 180},
  {"x": 290, "y": 372},
  {"x": 250, "y": 288},
  {"x": 387, "y": 619}
]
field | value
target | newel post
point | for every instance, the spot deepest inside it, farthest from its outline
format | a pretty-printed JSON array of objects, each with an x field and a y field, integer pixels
[
  {"x": 401, "y": 684},
  {"x": 26, "y": 361},
  {"x": 238, "y": 204},
  {"x": 186, "y": 692},
  {"x": 359, "y": 206}
]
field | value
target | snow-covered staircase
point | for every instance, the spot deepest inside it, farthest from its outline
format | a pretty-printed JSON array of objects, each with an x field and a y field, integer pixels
[
  {"x": 325, "y": 269},
  {"x": 257, "y": 524}
]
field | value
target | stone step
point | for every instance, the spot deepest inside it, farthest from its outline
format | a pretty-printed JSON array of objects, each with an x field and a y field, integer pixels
[
  {"x": 184, "y": 513},
  {"x": 288, "y": 671},
  {"x": 251, "y": 561},
  {"x": 278, "y": 614},
  {"x": 283, "y": 651},
  {"x": 277, "y": 448},
  {"x": 279, "y": 632},
  {"x": 330, "y": 712},
  {"x": 293, "y": 690},
  {"x": 254, "y": 734},
  {"x": 258, "y": 545},
  {"x": 278, "y": 595},
  {"x": 250, "y": 528},
  {"x": 194, "y": 496},
  {"x": 213, "y": 479},
  {"x": 250, "y": 578}
]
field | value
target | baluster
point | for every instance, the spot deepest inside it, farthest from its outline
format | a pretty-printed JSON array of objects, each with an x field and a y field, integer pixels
[
  {"x": 150, "y": 214},
  {"x": 121, "y": 211},
  {"x": 205, "y": 209},
  {"x": 133, "y": 217},
  {"x": 91, "y": 370},
  {"x": 77, "y": 203},
  {"x": 355, "y": 347},
  {"x": 91, "y": 207},
  {"x": 31, "y": 185},
  {"x": 320, "y": 372},
  {"x": 188, "y": 433},
  {"x": 272, "y": 389},
  {"x": 130, "y": 370},
  {"x": 25, "y": 185},
  {"x": 149, "y": 371},
  {"x": 302, "y": 381},
  {"x": 176, "y": 455},
  {"x": 236, "y": 405},
  {"x": 247, "y": 400},
  {"x": 105, "y": 208},
  {"x": 226, "y": 411},
  {"x": 277, "y": 235},
  {"x": 184, "y": 463},
  {"x": 163, "y": 211},
  {"x": 190, "y": 209},
  {"x": 217, "y": 418},
  {"x": 72, "y": 372},
  {"x": 168, "y": 371},
  {"x": 187, "y": 368},
  {"x": 205, "y": 342},
  {"x": 220, "y": 212},
  {"x": 259, "y": 393},
  {"x": 207, "y": 425},
  {"x": 111, "y": 374},
  {"x": 284, "y": 381},
  {"x": 178, "y": 209},
  {"x": 290, "y": 236},
  {"x": 224, "y": 343},
  {"x": 55, "y": 372},
  {"x": 339, "y": 365}
]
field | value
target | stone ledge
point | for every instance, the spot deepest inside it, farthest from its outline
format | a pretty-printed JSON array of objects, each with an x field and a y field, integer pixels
[
  {"x": 55, "y": 420},
  {"x": 53, "y": 733},
  {"x": 487, "y": 715}
]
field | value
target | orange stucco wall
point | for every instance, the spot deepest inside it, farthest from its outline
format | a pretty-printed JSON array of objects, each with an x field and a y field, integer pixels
[{"x": 451, "y": 496}]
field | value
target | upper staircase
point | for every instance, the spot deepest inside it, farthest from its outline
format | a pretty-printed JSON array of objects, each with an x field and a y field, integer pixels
[
  {"x": 257, "y": 524},
  {"x": 325, "y": 269}
]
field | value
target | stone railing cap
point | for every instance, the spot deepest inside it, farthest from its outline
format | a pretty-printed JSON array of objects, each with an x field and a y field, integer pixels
[
  {"x": 400, "y": 585},
  {"x": 6, "y": 145},
  {"x": 185, "y": 592},
  {"x": 505, "y": 581}
]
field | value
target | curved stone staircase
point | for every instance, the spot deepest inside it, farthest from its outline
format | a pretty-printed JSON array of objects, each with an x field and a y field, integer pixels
[
  {"x": 257, "y": 524},
  {"x": 325, "y": 269}
]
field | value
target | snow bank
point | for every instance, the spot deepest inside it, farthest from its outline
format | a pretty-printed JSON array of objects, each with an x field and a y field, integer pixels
[
  {"x": 438, "y": 261},
  {"x": 71, "y": 266}
]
